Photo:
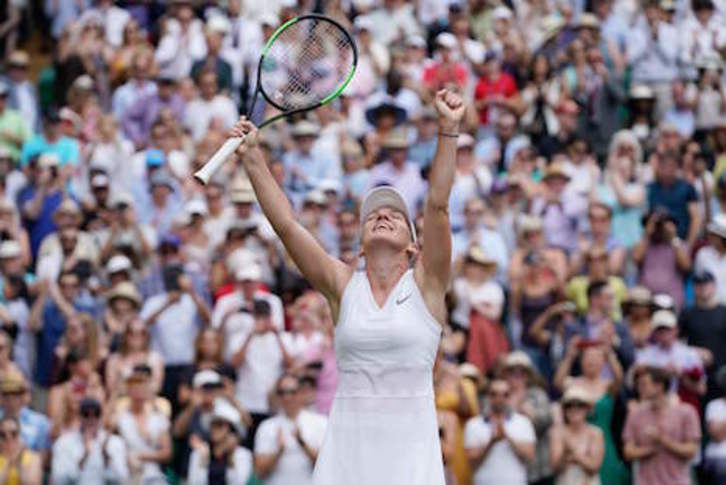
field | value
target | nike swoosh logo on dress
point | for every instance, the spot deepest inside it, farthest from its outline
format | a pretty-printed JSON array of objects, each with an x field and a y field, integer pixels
[{"x": 401, "y": 300}]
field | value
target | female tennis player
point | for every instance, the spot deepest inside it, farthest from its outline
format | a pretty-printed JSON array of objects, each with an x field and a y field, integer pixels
[{"x": 382, "y": 427}]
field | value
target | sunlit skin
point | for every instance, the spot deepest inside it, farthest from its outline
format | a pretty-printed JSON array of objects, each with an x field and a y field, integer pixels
[{"x": 388, "y": 227}]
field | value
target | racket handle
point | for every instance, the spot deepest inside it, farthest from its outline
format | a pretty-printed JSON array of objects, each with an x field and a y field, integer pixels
[{"x": 220, "y": 156}]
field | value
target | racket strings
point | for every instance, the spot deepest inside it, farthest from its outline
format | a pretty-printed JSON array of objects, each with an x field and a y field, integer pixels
[{"x": 307, "y": 62}]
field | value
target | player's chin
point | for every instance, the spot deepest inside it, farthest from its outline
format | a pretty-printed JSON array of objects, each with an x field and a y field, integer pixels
[{"x": 391, "y": 239}]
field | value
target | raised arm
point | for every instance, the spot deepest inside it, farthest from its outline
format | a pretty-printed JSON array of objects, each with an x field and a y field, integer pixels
[
  {"x": 326, "y": 273},
  {"x": 434, "y": 267}
]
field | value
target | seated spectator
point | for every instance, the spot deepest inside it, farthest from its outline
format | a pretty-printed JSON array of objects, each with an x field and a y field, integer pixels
[
  {"x": 500, "y": 446},
  {"x": 287, "y": 444},
  {"x": 577, "y": 449},
  {"x": 661, "y": 434},
  {"x": 18, "y": 464},
  {"x": 90, "y": 454},
  {"x": 220, "y": 459}
]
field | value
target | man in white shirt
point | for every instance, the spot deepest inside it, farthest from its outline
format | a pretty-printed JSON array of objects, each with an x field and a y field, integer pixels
[
  {"x": 89, "y": 455},
  {"x": 287, "y": 444},
  {"x": 210, "y": 109},
  {"x": 113, "y": 19},
  {"x": 261, "y": 353},
  {"x": 181, "y": 44},
  {"x": 667, "y": 352},
  {"x": 174, "y": 318},
  {"x": 500, "y": 446},
  {"x": 247, "y": 290},
  {"x": 652, "y": 51}
]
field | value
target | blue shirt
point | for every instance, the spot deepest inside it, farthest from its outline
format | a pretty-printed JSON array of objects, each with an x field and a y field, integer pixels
[
  {"x": 42, "y": 225},
  {"x": 675, "y": 198},
  {"x": 54, "y": 326},
  {"x": 67, "y": 149},
  {"x": 34, "y": 429}
]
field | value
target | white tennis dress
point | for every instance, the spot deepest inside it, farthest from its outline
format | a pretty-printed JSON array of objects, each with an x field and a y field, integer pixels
[{"x": 382, "y": 429}]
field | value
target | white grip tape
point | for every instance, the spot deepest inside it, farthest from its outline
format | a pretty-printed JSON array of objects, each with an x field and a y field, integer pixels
[{"x": 218, "y": 159}]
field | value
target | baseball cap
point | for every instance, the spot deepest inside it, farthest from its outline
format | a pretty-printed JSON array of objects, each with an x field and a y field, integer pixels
[
  {"x": 118, "y": 263},
  {"x": 386, "y": 196},
  {"x": 249, "y": 272},
  {"x": 207, "y": 378},
  {"x": 446, "y": 39},
  {"x": 703, "y": 276},
  {"x": 224, "y": 411},
  {"x": 154, "y": 157},
  {"x": 664, "y": 319}
]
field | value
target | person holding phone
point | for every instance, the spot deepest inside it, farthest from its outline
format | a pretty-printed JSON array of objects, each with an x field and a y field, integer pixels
[
  {"x": 174, "y": 318},
  {"x": 389, "y": 317}
]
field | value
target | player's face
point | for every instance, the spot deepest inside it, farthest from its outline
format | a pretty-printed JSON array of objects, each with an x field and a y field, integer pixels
[{"x": 386, "y": 226}]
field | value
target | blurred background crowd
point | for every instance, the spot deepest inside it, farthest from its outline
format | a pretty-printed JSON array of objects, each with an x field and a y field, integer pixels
[{"x": 155, "y": 331}]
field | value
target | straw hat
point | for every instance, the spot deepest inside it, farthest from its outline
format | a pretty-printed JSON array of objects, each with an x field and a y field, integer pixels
[
  {"x": 477, "y": 255},
  {"x": 127, "y": 291},
  {"x": 577, "y": 394}
]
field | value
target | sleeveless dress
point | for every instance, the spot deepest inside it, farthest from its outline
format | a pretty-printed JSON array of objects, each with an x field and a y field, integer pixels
[
  {"x": 612, "y": 470},
  {"x": 382, "y": 429}
]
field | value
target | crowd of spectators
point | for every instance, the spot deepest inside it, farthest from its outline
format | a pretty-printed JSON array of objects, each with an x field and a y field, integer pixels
[{"x": 153, "y": 330}]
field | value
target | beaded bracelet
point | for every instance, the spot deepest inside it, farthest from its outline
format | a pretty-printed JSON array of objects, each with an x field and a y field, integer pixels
[{"x": 449, "y": 135}]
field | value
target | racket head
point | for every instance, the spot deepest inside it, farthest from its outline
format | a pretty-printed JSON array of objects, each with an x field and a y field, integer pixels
[{"x": 306, "y": 63}]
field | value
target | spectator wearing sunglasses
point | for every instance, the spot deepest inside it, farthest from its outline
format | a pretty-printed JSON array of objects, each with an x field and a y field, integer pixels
[
  {"x": 577, "y": 448},
  {"x": 500, "y": 443},
  {"x": 89, "y": 454},
  {"x": 18, "y": 464},
  {"x": 34, "y": 427},
  {"x": 287, "y": 444}
]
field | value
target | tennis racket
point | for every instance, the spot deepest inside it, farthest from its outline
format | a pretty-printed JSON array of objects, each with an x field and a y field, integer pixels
[{"x": 306, "y": 63}]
